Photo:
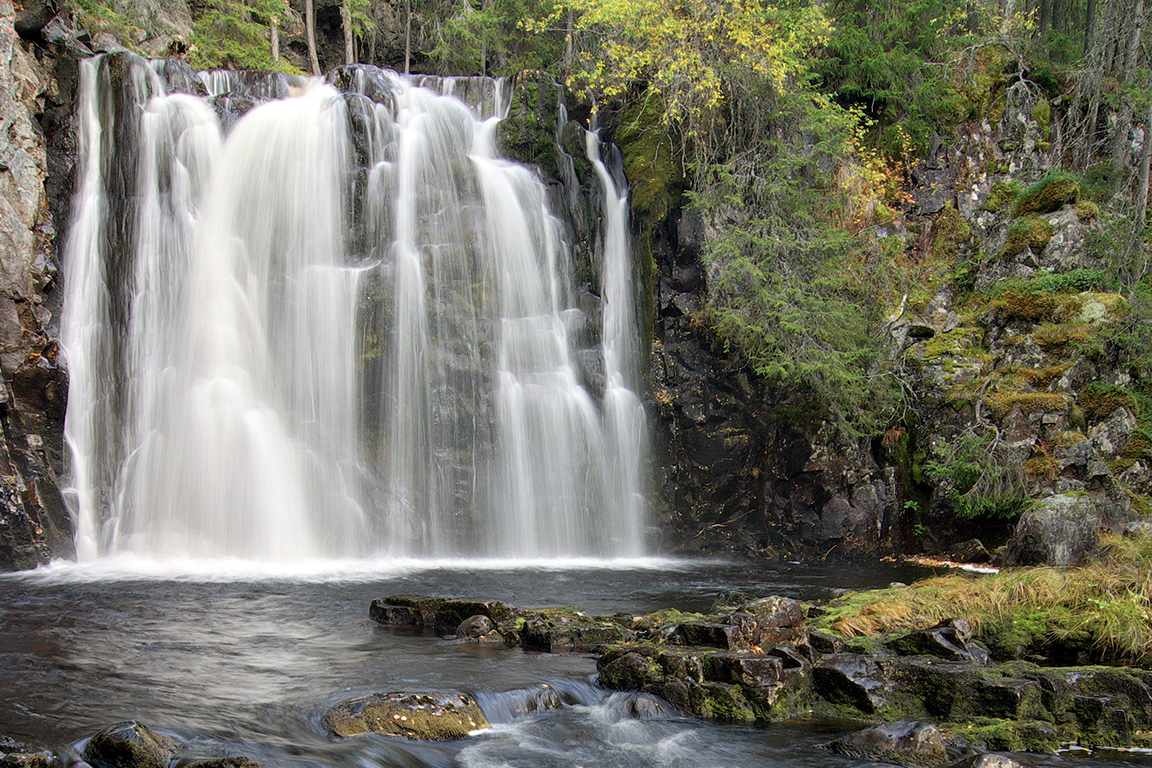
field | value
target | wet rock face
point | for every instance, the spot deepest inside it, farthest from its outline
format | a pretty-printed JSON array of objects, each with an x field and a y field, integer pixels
[
  {"x": 427, "y": 716},
  {"x": 129, "y": 745},
  {"x": 33, "y": 521}
]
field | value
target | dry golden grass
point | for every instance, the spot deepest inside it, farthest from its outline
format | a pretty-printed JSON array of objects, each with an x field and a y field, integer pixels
[{"x": 1107, "y": 604}]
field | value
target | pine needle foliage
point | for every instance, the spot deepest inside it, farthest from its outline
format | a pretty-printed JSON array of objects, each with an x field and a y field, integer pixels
[{"x": 233, "y": 34}]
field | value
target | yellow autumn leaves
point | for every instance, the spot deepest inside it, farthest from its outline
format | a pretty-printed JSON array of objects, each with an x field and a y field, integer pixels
[{"x": 691, "y": 52}]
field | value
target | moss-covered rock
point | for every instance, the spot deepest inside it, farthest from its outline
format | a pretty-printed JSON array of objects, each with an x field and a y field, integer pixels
[
  {"x": 651, "y": 160},
  {"x": 1048, "y": 194},
  {"x": 437, "y": 614},
  {"x": 129, "y": 745},
  {"x": 427, "y": 716},
  {"x": 902, "y": 743},
  {"x": 1002, "y": 195},
  {"x": 1027, "y": 234},
  {"x": 14, "y": 754}
]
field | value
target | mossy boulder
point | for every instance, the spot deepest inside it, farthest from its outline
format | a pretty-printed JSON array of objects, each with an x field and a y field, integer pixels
[
  {"x": 1048, "y": 194},
  {"x": 1061, "y": 530},
  {"x": 566, "y": 629},
  {"x": 438, "y": 614},
  {"x": 429, "y": 716},
  {"x": 901, "y": 743},
  {"x": 740, "y": 686},
  {"x": 129, "y": 744},
  {"x": 1031, "y": 234}
]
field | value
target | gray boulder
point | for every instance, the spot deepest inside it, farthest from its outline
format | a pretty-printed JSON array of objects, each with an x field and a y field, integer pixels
[
  {"x": 903, "y": 743},
  {"x": 1061, "y": 530}
]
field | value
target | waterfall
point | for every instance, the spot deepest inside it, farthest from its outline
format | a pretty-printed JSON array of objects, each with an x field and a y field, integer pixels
[{"x": 303, "y": 322}]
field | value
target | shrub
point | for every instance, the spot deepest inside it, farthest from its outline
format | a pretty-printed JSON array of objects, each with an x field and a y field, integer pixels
[{"x": 977, "y": 479}]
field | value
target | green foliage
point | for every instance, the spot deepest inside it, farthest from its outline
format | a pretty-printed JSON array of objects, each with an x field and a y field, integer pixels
[
  {"x": 885, "y": 57},
  {"x": 488, "y": 37},
  {"x": 702, "y": 59},
  {"x": 100, "y": 16},
  {"x": 790, "y": 289},
  {"x": 1048, "y": 194},
  {"x": 234, "y": 34},
  {"x": 977, "y": 482}
]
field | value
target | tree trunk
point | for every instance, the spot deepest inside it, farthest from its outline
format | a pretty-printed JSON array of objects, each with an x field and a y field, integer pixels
[
  {"x": 1140, "y": 216},
  {"x": 1089, "y": 24},
  {"x": 569, "y": 29},
  {"x": 310, "y": 28},
  {"x": 1009, "y": 13},
  {"x": 1121, "y": 145},
  {"x": 275, "y": 40},
  {"x": 407, "y": 37},
  {"x": 349, "y": 39}
]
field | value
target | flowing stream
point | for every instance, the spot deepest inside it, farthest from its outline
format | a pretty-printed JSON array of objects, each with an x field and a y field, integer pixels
[{"x": 233, "y": 659}]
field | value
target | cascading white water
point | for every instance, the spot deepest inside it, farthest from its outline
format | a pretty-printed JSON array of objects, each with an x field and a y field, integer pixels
[{"x": 304, "y": 341}]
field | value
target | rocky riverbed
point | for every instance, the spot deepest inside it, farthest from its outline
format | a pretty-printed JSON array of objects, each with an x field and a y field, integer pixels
[{"x": 761, "y": 661}]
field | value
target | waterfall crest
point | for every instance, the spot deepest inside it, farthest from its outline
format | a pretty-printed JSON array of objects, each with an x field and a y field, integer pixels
[{"x": 336, "y": 325}]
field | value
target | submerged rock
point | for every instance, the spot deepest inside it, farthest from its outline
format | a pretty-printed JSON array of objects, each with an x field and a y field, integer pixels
[
  {"x": 431, "y": 716},
  {"x": 14, "y": 754},
  {"x": 988, "y": 760},
  {"x": 902, "y": 743},
  {"x": 129, "y": 745},
  {"x": 223, "y": 762}
]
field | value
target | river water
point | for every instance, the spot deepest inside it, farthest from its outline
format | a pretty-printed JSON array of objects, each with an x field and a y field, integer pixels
[{"x": 231, "y": 661}]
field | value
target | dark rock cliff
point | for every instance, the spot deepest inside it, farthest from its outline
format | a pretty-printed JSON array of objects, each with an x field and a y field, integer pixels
[{"x": 33, "y": 521}]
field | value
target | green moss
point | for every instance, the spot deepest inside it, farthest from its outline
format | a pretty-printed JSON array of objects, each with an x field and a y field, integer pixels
[
  {"x": 1052, "y": 335},
  {"x": 965, "y": 343},
  {"x": 1042, "y": 114},
  {"x": 1139, "y": 445},
  {"x": 1027, "y": 234},
  {"x": 651, "y": 161},
  {"x": 719, "y": 701},
  {"x": 1099, "y": 400},
  {"x": 528, "y": 134},
  {"x": 1086, "y": 210},
  {"x": 1007, "y": 735},
  {"x": 1003, "y": 194},
  {"x": 1048, "y": 194}
]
